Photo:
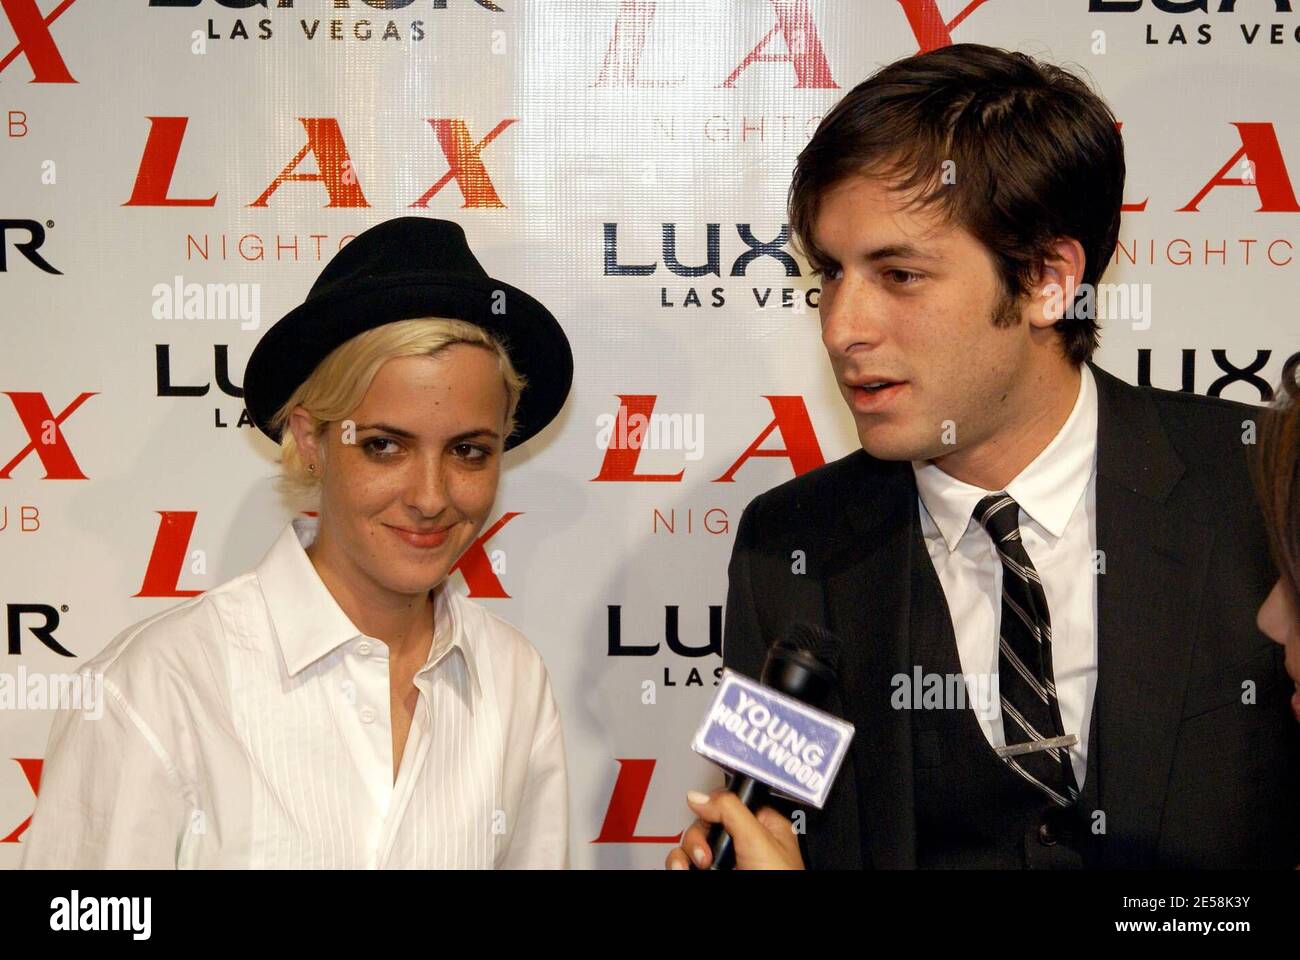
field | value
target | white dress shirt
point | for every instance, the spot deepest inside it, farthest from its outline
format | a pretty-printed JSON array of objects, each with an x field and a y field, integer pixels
[
  {"x": 1057, "y": 494},
  {"x": 250, "y": 727}
]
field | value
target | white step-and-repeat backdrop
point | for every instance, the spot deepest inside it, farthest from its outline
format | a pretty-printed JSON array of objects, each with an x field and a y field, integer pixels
[{"x": 626, "y": 161}]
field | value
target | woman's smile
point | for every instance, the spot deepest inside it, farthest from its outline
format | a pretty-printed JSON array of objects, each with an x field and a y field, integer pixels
[{"x": 421, "y": 539}]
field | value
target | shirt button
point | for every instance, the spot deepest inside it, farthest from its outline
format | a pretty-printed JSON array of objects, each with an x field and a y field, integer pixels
[
  {"x": 367, "y": 715},
  {"x": 363, "y": 648},
  {"x": 1046, "y": 835}
]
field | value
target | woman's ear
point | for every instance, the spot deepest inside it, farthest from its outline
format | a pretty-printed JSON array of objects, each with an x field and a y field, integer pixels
[{"x": 310, "y": 445}]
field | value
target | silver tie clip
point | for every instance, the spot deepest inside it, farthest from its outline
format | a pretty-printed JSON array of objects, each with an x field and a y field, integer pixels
[{"x": 1015, "y": 750}]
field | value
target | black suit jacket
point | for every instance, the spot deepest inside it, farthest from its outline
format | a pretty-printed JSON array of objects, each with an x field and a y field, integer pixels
[{"x": 1187, "y": 774}]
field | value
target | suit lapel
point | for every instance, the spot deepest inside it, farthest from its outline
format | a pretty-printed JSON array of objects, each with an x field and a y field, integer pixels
[
  {"x": 1156, "y": 560},
  {"x": 868, "y": 602}
]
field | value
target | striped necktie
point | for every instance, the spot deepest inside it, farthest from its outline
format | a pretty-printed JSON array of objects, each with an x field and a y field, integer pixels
[{"x": 1026, "y": 687}]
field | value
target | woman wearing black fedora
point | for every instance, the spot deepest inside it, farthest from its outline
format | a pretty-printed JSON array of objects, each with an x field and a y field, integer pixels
[{"x": 339, "y": 705}]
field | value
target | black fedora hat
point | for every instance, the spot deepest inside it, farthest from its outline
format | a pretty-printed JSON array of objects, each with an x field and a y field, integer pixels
[{"x": 402, "y": 269}]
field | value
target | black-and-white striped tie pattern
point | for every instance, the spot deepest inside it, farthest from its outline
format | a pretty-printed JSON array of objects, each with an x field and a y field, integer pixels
[{"x": 1026, "y": 687}]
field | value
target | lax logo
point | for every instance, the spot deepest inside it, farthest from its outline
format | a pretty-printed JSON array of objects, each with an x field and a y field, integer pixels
[
  {"x": 793, "y": 39},
  {"x": 622, "y": 446},
  {"x": 35, "y": 41},
  {"x": 44, "y": 436},
  {"x": 172, "y": 552},
  {"x": 335, "y": 170},
  {"x": 31, "y": 770}
]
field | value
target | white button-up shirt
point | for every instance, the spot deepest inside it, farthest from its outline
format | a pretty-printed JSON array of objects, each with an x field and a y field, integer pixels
[
  {"x": 1057, "y": 494},
  {"x": 250, "y": 727}
]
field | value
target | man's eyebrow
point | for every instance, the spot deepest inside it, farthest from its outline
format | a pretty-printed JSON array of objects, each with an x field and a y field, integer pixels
[
  {"x": 890, "y": 251},
  {"x": 900, "y": 251}
]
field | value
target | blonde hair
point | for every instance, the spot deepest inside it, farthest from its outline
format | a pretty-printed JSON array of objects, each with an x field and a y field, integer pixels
[{"x": 339, "y": 383}]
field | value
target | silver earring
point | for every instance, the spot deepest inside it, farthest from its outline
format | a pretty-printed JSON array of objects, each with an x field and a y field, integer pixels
[{"x": 311, "y": 467}]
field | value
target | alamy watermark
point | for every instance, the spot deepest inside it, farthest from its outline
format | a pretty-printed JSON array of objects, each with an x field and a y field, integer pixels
[
  {"x": 943, "y": 691},
  {"x": 1130, "y": 302},
  {"x": 33, "y": 690},
  {"x": 208, "y": 301},
  {"x": 656, "y": 431}
]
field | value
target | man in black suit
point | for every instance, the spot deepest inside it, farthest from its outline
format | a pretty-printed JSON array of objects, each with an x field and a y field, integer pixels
[{"x": 1084, "y": 558}]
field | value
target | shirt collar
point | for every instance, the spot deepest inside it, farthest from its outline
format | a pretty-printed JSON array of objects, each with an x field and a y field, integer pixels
[
  {"x": 449, "y": 620},
  {"x": 309, "y": 623},
  {"x": 1047, "y": 490}
]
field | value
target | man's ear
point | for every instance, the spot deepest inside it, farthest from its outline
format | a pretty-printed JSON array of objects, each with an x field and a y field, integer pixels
[
  {"x": 1059, "y": 278},
  {"x": 310, "y": 446}
]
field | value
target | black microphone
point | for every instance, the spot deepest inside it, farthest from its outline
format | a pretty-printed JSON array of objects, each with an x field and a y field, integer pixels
[{"x": 804, "y": 664}]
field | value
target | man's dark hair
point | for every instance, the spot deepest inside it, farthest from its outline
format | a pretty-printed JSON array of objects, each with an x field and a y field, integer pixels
[{"x": 1036, "y": 156}]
